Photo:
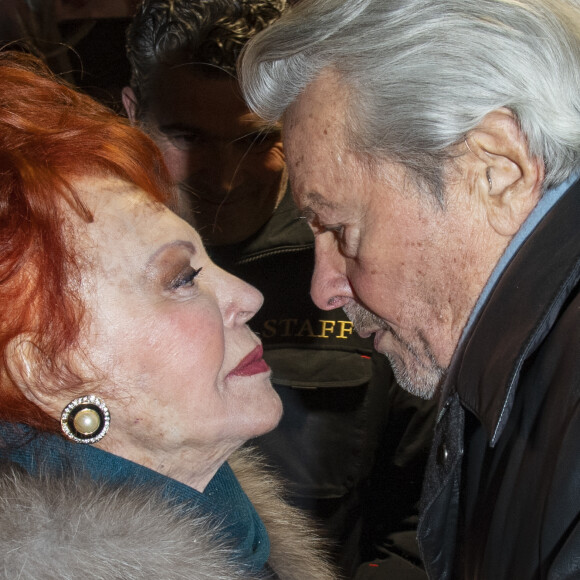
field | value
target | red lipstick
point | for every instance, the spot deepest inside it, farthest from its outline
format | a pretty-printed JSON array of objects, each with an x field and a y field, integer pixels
[{"x": 252, "y": 364}]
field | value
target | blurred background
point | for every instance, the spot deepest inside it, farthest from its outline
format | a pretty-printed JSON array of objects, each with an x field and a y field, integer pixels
[{"x": 82, "y": 40}]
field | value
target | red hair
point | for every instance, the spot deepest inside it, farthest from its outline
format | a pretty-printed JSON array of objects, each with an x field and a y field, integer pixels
[{"x": 51, "y": 135}]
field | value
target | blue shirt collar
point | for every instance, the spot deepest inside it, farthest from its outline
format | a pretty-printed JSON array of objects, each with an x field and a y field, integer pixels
[{"x": 546, "y": 203}]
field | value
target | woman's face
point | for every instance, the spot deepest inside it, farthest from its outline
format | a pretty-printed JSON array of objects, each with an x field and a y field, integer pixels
[{"x": 181, "y": 372}]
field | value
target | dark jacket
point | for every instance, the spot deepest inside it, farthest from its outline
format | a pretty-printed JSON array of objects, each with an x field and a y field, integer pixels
[
  {"x": 502, "y": 490},
  {"x": 352, "y": 445}
]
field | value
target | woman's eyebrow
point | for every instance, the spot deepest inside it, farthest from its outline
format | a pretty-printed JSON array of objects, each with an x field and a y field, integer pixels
[{"x": 175, "y": 244}]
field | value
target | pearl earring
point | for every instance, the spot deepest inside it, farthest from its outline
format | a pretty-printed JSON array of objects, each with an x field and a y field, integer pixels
[{"x": 85, "y": 420}]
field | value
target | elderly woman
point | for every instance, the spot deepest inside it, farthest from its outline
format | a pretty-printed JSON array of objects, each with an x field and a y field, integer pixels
[{"x": 128, "y": 374}]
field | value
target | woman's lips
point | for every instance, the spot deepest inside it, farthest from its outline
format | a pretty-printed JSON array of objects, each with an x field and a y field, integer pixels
[{"x": 252, "y": 364}]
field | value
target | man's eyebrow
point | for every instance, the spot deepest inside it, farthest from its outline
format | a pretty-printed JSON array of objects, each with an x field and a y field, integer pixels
[
  {"x": 184, "y": 127},
  {"x": 257, "y": 132},
  {"x": 314, "y": 202},
  {"x": 260, "y": 124},
  {"x": 261, "y": 127}
]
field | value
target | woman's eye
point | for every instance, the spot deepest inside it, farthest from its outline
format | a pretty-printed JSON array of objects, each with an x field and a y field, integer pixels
[{"x": 185, "y": 278}]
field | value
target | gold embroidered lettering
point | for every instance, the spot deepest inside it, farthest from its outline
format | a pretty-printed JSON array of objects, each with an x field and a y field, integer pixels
[
  {"x": 306, "y": 328},
  {"x": 288, "y": 322},
  {"x": 327, "y": 328},
  {"x": 269, "y": 329},
  {"x": 345, "y": 326}
]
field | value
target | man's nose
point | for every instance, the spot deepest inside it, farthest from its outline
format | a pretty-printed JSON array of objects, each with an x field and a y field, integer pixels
[
  {"x": 227, "y": 170},
  {"x": 330, "y": 287}
]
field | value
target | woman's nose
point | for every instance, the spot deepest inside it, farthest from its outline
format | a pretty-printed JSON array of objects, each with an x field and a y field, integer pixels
[
  {"x": 330, "y": 287},
  {"x": 239, "y": 300}
]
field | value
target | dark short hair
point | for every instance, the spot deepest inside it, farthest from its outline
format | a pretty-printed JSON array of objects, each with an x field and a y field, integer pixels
[{"x": 209, "y": 33}]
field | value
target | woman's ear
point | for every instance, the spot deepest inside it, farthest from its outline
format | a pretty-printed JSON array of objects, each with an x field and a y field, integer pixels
[
  {"x": 509, "y": 179},
  {"x": 26, "y": 366}
]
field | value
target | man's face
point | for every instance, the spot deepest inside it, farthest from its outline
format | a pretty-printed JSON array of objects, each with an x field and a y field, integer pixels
[
  {"x": 230, "y": 166},
  {"x": 399, "y": 264}
]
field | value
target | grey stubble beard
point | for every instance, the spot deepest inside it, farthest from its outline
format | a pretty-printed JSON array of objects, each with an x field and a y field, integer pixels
[{"x": 426, "y": 375}]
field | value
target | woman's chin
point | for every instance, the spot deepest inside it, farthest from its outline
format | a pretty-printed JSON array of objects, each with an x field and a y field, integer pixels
[
  {"x": 270, "y": 413},
  {"x": 276, "y": 416}
]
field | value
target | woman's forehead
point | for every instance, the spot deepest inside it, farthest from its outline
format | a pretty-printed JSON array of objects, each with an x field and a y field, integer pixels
[
  {"x": 127, "y": 223},
  {"x": 112, "y": 195}
]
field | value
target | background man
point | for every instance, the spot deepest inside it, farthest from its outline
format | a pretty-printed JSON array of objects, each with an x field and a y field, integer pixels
[
  {"x": 346, "y": 431},
  {"x": 434, "y": 148}
]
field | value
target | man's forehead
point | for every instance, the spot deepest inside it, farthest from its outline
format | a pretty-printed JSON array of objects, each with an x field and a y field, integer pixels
[
  {"x": 182, "y": 99},
  {"x": 315, "y": 131},
  {"x": 323, "y": 101}
]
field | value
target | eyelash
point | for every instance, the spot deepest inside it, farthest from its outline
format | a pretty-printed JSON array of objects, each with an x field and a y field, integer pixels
[
  {"x": 186, "y": 278},
  {"x": 337, "y": 230}
]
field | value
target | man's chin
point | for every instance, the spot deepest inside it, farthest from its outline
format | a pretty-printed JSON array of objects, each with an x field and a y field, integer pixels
[{"x": 422, "y": 382}]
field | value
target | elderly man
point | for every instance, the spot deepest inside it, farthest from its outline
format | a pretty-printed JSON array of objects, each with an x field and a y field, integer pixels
[
  {"x": 434, "y": 148},
  {"x": 347, "y": 428}
]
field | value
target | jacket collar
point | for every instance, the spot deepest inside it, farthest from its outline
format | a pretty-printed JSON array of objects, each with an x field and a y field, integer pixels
[{"x": 519, "y": 312}]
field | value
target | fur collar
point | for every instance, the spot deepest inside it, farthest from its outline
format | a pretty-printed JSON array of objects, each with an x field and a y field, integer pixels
[{"x": 69, "y": 528}]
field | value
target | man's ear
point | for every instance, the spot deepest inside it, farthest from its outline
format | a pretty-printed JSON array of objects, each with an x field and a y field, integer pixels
[
  {"x": 130, "y": 103},
  {"x": 508, "y": 179},
  {"x": 25, "y": 364}
]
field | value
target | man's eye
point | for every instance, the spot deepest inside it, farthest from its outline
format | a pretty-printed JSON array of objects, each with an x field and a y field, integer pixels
[
  {"x": 185, "y": 278},
  {"x": 184, "y": 141},
  {"x": 345, "y": 239},
  {"x": 336, "y": 229},
  {"x": 259, "y": 141},
  {"x": 321, "y": 228}
]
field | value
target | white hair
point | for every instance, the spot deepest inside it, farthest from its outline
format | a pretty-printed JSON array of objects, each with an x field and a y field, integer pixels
[{"x": 421, "y": 74}]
